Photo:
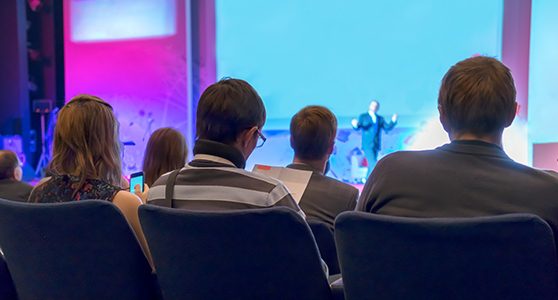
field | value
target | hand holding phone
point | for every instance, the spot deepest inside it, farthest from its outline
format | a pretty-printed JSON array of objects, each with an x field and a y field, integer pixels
[{"x": 135, "y": 179}]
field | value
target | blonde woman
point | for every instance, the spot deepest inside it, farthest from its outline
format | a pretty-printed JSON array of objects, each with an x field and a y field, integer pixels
[{"x": 86, "y": 160}]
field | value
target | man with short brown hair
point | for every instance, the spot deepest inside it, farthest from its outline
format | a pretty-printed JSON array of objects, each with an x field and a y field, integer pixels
[
  {"x": 471, "y": 176},
  {"x": 229, "y": 121},
  {"x": 313, "y": 132}
]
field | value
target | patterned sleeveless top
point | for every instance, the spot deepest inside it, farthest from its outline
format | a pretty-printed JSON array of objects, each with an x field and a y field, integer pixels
[{"x": 61, "y": 188}]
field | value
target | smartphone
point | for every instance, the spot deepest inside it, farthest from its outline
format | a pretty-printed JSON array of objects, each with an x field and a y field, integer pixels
[{"x": 136, "y": 178}]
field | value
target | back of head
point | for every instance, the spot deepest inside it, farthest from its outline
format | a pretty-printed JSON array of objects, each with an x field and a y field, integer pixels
[
  {"x": 227, "y": 108},
  {"x": 86, "y": 142},
  {"x": 166, "y": 151},
  {"x": 8, "y": 164},
  {"x": 477, "y": 96},
  {"x": 313, "y": 131}
]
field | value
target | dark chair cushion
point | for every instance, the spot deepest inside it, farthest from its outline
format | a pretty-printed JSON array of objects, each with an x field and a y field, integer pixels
[
  {"x": 326, "y": 244},
  {"x": 246, "y": 254},
  {"x": 74, "y": 250},
  {"x": 501, "y": 257},
  {"x": 7, "y": 290}
]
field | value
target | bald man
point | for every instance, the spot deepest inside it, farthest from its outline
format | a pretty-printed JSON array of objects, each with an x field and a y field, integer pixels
[{"x": 11, "y": 187}]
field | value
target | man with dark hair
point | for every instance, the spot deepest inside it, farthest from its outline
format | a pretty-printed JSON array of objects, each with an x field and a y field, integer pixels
[
  {"x": 372, "y": 126},
  {"x": 11, "y": 187},
  {"x": 472, "y": 175},
  {"x": 313, "y": 131},
  {"x": 230, "y": 117}
]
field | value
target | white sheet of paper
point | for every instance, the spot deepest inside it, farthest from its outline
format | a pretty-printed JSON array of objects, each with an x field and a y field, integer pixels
[{"x": 295, "y": 180}]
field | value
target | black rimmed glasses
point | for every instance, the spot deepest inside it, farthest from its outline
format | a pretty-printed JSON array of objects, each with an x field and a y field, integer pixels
[{"x": 261, "y": 139}]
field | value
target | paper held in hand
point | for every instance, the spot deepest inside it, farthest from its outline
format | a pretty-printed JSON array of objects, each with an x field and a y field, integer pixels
[{"x": 295, "y": 180}]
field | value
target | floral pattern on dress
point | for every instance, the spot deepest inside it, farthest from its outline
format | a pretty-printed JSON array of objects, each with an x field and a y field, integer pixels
[{"x": 61, "y": 188}]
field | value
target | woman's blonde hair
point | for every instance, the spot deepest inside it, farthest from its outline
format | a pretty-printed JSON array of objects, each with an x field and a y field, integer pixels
[{"x": 86, "y": 142}]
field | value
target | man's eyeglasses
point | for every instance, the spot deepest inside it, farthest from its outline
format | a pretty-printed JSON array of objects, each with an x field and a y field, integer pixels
[{"x": 261, "y": 139}]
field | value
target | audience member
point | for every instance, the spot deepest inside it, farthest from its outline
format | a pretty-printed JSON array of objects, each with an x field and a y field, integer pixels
[
  {"x": 313, "y": 132},
  {"x": 11, "y": 187},
  {"x": 86, "y": 160},
  {"x": 229, "y": 120},
  {"x": 166, "y": 151},
  {"x": 472, "y": 175}
]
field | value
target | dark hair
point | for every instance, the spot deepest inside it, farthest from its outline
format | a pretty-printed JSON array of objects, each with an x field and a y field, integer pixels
[
  {"x": 313, "y": 131},
  {"x": 8, "y": 163},
  {"x": 477, "y": 96},
  {"x": 226, "y": 108},
  {"x": 165, "y": 151}
]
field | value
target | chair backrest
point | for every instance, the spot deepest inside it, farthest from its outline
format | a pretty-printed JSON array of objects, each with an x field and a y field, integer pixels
[
  {"x": 326, "y": 244},
  {"x": 245, "y": 254},
  {"x": 500, "y": 257},
  {"x": 74, "y": 250},
  {"x": 7, "y": 290}
]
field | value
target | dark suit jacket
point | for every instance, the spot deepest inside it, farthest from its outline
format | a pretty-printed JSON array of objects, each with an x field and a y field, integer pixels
[
  {"x": 461, "y": 179},
  {"x": 11, "y": 189},
  {"x": 325, "y": 197},
  {"x": 372, "y": 132}
]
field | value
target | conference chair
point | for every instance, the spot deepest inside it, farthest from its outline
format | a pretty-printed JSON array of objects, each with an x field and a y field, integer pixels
[
  {"x": 73, "y": 250},
  {"x": 264, "y": 253},
  {"x": 7, "y": 290},
  {"x": 501, "y": 257},
  {"x": 326, "y": 244}
]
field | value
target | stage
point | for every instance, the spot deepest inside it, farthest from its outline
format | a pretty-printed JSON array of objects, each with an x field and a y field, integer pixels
[{"x": 333, "y": 54}]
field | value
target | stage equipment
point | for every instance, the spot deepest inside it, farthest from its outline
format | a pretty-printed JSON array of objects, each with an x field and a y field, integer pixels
[{"x": 43, "y": 107}]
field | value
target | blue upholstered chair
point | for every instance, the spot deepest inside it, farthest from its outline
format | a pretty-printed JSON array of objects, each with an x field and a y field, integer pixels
[
  {"x": 246, "y": 254},
  {"x": 501, "y": 257},
  {"x": 74, "y": 250},
  {"x": 326, "y": 244},
  {"x": 7, "y": 290}
]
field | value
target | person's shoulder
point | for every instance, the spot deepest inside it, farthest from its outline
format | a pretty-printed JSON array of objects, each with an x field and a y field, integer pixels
[
  {"x": 22, "y": 184},
  {"x": 341, "y": 190},
  {"x": 406, "y": 156},
  {"x": 41, "y": 184},
  {"x": 43, "y": 181},
  {"x": 162, "y": 180},
  {"x": 404, "y": 161},
  {"x": 551, "y": 173},
  {"x": 258, "y": 176},
  {"x": 336, "y": 184},
  {"x": 25, "y": 187},
  {"x": 126, "y": 198},
  {"x": 548, "y": 177}
]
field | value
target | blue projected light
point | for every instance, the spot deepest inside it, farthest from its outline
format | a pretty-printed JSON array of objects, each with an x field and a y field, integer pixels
[
  {"x": 342, "y": 54},
  {"x": 543, "y": 72},
  {"x": 95, "y": 20}
]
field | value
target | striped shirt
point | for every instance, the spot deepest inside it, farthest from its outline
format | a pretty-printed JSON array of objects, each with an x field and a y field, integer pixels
[{"x": 214, "y": 183}]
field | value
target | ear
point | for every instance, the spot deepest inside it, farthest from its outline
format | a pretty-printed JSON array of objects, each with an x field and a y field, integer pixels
[
  {"x": 18, "y": 174},
  {"x": 444, "y": 119},
  {"x": 331, "y": 147},
  {"x": 292, "y": 142},
  {"x": 248, "y": 136},
  {"x": 511, "y": 114}
]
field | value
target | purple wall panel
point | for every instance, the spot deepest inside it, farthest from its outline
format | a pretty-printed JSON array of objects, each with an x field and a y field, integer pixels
[{"x": 144, "y": 79}]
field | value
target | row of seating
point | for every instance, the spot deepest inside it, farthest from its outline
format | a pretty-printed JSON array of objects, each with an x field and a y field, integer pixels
[{"x": 86, "y": 250}]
